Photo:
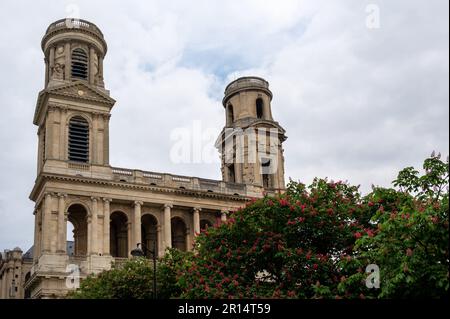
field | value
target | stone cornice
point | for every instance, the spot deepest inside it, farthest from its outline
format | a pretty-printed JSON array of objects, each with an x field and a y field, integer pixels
[{"x": 40, "y": 181}]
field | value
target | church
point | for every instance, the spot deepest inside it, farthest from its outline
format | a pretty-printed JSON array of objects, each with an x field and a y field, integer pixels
[{"x": 112, "y": 210}]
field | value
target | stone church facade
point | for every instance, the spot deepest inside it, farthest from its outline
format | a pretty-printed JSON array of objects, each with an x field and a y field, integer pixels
[{"x": 112, "y": 209}]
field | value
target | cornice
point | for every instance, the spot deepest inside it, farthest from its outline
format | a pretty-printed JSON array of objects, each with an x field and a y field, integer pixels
[{"x": 123, "y": 185}]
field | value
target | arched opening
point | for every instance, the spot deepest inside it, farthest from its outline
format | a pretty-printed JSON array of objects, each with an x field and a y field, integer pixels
[
  {"x": 259, "y": 108},
  {"x": 78, "y": 218},
  {"x": 118, "y": 235},
  {"x": 79, "y": 64},
  {"x": 266, "y": 180},
  {"x": 178, "y": 234},
  {"x": 149, "y": 235},
  {"x": 205, "y": 224},
  {"x": 231, "y": 174},
  {"x": 78, "y": 140},
  {"x": 230, "y": 114}
]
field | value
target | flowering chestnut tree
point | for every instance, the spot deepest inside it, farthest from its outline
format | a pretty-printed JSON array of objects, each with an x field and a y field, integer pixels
[
  {"x": 316, "y": 242},
  {"x": 280, "y": 247},
  {"x": 411, "y": 242}
]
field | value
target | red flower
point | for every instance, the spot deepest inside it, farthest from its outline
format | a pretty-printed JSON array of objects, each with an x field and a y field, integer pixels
[
  {"x": 308, "y": 255},
  {"x": 315, "y": 266},
  {"x": 358, "y": 235},
  {"x": 369, "y": 233},
  {"x": 330, "y": 211},
  {"x": 370, "y": 204},
  {"x": 270, "y": 203},
  {"x": 284, "y": 202}
]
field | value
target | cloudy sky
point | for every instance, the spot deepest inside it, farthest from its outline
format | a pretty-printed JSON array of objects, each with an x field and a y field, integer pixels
[{"x": 360, "y": 97}]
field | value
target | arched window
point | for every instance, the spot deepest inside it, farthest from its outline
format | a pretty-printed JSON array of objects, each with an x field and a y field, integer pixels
[
  {"x": 230, "y": 114},
  {"x": 118, "y": 235},
  {"x": 79, "y": 64},
  {"x": 259, "y": 108},
  {"x": 78, "y": 140},
  {"x": 149, "y": 233},
  {"x": 78, "y": 218},
  {"x": 178, "y": 234}
]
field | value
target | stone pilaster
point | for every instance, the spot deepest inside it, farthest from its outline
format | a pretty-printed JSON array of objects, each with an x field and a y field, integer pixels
[
  {"x": 106, "y": 226},
  {"x": 62, "y": 224},
  {"x": 94, "y": 227},
  {"x": 68, "y": 61},
  {"x": 47, "y": 223}
]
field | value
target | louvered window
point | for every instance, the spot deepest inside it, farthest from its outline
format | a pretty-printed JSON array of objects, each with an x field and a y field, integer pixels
[
  {"x": 79, "y": 140},
  {"x": 79, "y": 64}
]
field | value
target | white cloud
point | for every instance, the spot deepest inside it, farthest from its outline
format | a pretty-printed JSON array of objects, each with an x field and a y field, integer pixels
[{"x": 357, "y": 103}]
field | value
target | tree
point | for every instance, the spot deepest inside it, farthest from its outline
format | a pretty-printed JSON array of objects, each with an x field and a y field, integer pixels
[
  {"x": 134, "y": 280},
  {"x": 282, "y": 247},
  {"x": 316, "y": 242},
  {"x": 411, "y": 244}
]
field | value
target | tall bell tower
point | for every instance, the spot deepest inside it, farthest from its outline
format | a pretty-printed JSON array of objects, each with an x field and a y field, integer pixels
[
  {"x": 251, "y": 141},
  {"x": 73, "y": 110}
]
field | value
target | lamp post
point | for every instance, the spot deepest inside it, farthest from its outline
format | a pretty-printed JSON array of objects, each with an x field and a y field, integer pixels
[{"x": 138, "y": 252}]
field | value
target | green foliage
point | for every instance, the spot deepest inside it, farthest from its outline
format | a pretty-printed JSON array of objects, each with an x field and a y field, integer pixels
[
  {"x": 316, "y": 242},
  {"x": 283, "y": 247},
  {"x": 134, "y": 280},
  {"x": 411, "y": 244}
]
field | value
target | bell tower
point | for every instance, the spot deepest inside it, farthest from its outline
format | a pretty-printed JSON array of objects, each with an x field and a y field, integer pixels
[
  {"x": 251, "y": 142},
  {"x": 73, "y": 110}
]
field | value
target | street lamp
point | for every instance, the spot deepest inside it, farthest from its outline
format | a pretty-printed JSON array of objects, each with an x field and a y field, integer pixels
[{"x": 138, "y": 252}]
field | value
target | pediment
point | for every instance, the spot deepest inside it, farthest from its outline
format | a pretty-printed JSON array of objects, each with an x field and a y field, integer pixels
[
  {"x": 82, "y": 91},
  {"x": 78, "y": 91}
]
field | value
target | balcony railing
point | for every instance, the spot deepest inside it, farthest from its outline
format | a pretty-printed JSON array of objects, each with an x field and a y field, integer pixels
[
  {"x": 181, "y": 182},
  {"x": 74, "y": 24}
]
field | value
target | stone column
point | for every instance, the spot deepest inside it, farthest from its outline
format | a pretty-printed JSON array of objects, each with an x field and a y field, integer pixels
[
  {"x": 106, "y": 140},
  {"x": 129, "y": 239},
  {"x": 94, "y": 227},
  {"x": 62, "y": 226},
  {"x": 89, "y": 235},
  {"x": 51, "y": 62},
  {"x": 188, "y": 239},
  {"x": 100, "y": 71},
  {"x": 95, "y": 140},
  {"x": 160, "y": 241},
  {"x": 67, "y": 62},
  {"x": 168, "y": 226},
  {"x": 223, "y": 216},
  {"x": 47, "y": 72},
  {"x": 137, "y": 236},
  {"x": 197, "y": 211},
  {"x": 36, "y": 251},
  {"x": 91, "y": 66},
  {"x": 47, "y": 223},
  {"x": 106, "y": 226}
]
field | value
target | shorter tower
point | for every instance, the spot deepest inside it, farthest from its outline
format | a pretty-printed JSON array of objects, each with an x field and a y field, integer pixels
[{"x": 251, "y": 141}]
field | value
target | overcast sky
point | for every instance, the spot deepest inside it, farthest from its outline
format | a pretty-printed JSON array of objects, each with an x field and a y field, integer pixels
[{"x": 359, "y": 101}]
